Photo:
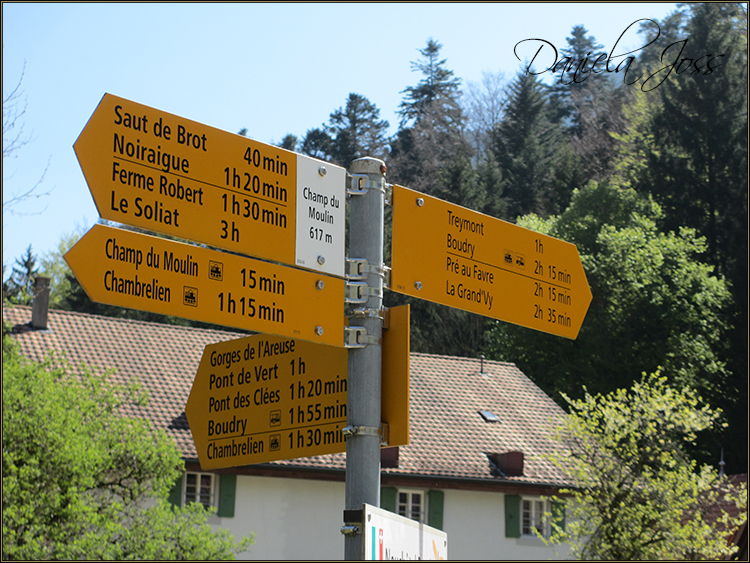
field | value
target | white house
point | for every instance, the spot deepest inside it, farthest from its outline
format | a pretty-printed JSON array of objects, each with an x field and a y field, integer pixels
[{"x": 475, "y": 466}]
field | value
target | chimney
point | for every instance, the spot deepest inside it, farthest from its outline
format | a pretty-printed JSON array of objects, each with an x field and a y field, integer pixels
[{"x": 40, "y": 305}]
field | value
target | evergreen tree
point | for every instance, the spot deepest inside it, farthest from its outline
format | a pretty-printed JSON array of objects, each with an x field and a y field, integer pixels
[
  {"x": 289, "y": 142},
  {"x": 699, "y": 173},
  {"x": 438, "y": 85},
  {"x": 576, "y": 78},
  {"x": 657, "y": 39},
  {"x": 352, "y": 131},
  {"x": 317, "y": 144},
  {"x": 697, "y": 168},
  {"x": 588, "y": 101},
  {"x": 356, "y": 130},
  {"x": 20, "y": 286},
  {"x": 431, "y": 129},
  {"x": 525, "y": 145},
  {"x": 431, "y": 154}
]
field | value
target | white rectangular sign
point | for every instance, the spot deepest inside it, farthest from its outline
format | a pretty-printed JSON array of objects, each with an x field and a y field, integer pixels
[
  {"x": 321, "y": 212},
  {"x": 389, "y": 536}
]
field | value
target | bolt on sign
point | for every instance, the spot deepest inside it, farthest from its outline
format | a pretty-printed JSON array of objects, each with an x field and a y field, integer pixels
[
  {"x": 157, "y": 171},
  {"x": 137, "y": 271},
  {"x": 263, "y": 398},
  {"x": 451, "y": 255}
]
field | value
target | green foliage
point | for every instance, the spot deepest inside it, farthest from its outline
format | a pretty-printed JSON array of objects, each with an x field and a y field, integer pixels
[
  {"x": 686, "y": 147},
  {"x": 654, "y": 303},
  {"x": 431, "y": 130},
  {"x": 20, "y": 286},
  {"x": 638, "y": 495},
  {"x": 289, "y": 142},
  {"x": 83, "y": 481},
  {"x": 437, "y": 86},
  {"x": 317, "y": 144},
  {"x": 353, "y": 131},
  {"x": 54, "y": 267},
  {"x": 699, "y": 174},
  {"x": 525, "y": 145},
  {"x": 356, "y": 130}
]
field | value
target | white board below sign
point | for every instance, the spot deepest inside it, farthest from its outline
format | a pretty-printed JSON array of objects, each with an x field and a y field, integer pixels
[
  {"x": 321, "y": 216},
  {"x": 389, "y": 536}
]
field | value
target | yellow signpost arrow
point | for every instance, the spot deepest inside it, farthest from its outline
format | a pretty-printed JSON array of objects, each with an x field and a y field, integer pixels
[
  {"x": 451, "y": 255},
  {"x": 264, "y": 398},
  {"x": 133, "y": 270},
  {"x": 151, "y": 169}
]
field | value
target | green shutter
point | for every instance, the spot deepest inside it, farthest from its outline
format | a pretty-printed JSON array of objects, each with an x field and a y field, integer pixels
[
  {"x": 435, "y": 509},
  {"x": 175, "y": 493},
  {"x": 388, "y": 498},
  {"x": 558, "y": 513},
  {"x": 227, "y": 486},
  {"x": 512, "y": 516}
]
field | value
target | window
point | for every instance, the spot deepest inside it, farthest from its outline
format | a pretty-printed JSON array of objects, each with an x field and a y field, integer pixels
[
  {"x": 489, "y": 416},
  {"x": 401, "y": 501},
  {"x": 208, "y": 489},
  {"x": 200, "y": 487},
  {"x": 411, "y": 504},
  {"x": 533, "y": 517}
]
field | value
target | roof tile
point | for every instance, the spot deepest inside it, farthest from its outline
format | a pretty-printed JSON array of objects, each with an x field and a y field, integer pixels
[{"x": 448, "y": 437}]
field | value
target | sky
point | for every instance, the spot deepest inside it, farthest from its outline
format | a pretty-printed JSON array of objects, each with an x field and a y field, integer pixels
[{"x": 271, "y": 68}]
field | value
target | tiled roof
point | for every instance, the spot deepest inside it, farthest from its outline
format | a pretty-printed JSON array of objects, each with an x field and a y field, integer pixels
[{"x": 448, "y": 437}]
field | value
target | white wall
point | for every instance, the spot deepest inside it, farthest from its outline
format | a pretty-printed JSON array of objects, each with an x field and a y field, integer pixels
[
  {"x": 475, "y": 524},
  {"x": 302, "y": 519},
  {"x": 291, "y": 518}
]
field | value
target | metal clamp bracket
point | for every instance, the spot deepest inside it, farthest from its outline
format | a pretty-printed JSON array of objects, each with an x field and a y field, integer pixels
[
  {"x": 349, "y": 431},
  {"x": 352, "y": 522},
  {"x": 384, "y": 314},
  {"x": 350, "y": 530},
  {"x": 360, "y": 184},
  {"x": 382, "y": 432},
  {"x": 357, "y": 337},
  {"x": 360, "y": 292},
  {"x": 359, "y": 269}
]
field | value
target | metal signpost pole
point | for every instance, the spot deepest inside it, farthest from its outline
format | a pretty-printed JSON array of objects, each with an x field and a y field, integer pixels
[{"x": 364, "y": 380}]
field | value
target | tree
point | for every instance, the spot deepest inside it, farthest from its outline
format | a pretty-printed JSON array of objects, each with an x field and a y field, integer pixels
[
  {"x": 54, "y": 267},
  {"x": 589, "y": 104},
  {"x": 317, "y": 144},
  {"x": 83, "y": 481},
  {"x": 19, "y": 288},
  {"x": 353, "y": 131},
  {"x": 431, "y": 129},
  {"x": 525, "y": 146},
  {"x": 289, "y": 142},
  {"x": 577, "y": 79},
  {"x": 654, "y": 304},
  {"x": 14, "y": 139},
  {"x": 438, "y": 85},
  {"x": 699, "y": 173},
  {"x": 657, "y": 39},
  {"x": 483, "y": 104},
  {"x": 356, "y": 130},
  {"x": 695, "y": 150},
  {"x": 637, "y": 493}
]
